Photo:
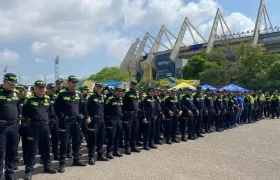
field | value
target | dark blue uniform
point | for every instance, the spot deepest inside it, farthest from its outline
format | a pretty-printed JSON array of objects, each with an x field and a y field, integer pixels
[
  {"x": 9, "y": 129},
  {"x": 131, "y": 102},
  {"x": 171, "y": 122},
  {"x": 199, "y": 103},
  {"x": 39, "y": 111},
  {"x": 113, "y": 113},
  {"x": 187, "y": 105},
  {"x": 96, "y": 129},
  {"x": 70, "y": 109},
  {"x": 149, "y": 112}
]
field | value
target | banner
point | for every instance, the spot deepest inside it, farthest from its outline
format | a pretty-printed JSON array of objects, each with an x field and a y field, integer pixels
[
  {"x": 165, "y": 67},
  {"x": 166, "y": 83}
]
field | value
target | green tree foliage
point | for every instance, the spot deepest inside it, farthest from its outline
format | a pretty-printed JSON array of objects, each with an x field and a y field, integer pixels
[
  {"x": 145, "y": 82},
  {"x": 110, "y": 74},
  {"x": 196, "y": 65},
  {"x": 246, "y": 65}
]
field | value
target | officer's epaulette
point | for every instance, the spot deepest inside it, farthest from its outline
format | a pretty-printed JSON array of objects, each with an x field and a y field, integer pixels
[
  {"x": 29, "y": 96},
  {"x": 15, "y": 90},
  {"x": 88, "y": 95},
  {"x": 62, "y": 90}
]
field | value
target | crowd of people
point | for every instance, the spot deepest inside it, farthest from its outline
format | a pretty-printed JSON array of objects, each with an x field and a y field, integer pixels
[{"x": 57, "y": 119}]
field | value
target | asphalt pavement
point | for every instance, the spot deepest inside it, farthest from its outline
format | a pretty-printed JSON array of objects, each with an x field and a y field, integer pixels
[{"x": 248, "y": 152}]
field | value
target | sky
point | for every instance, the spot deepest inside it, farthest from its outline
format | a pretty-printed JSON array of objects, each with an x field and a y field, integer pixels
[{"x": 89, "y": 35}]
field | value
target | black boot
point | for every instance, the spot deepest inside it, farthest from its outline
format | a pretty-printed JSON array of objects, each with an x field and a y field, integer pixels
[
  {"x": 168, "y": 141},
  {"x": 128, "y": 151},
  {"x": 117, "y": 154},
  {"x": 101, "y": 157},
  {"x": 91, "y": 161},
  {"x": 50, "y": 170},
  {"x": 135, "y": 149},
  {"x": 146, "y": 147},
  {"x": 78, "y": 163},
  {"x": 184, "y": 139},
  {"x": 175, "y": 140},
  {"x": 109, "y": 155},
  {"x": 28, "y": 176},
  {"x": 61, "y": 168},
  {"x": 153, "y": 146}
]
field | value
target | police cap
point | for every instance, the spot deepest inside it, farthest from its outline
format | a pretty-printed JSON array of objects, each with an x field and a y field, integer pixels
[
  {"x": 59, "y": 81},
  {"x": 73, "y": 78},
  {"x": 199, "y": 87},
  {"x": 39, "y": 84},
  {"x": 99, "y": 84},
  {"x": 51, "y": 86},
  {"x": 118, "y": 88},
  {"x": 173, "y": 91},
  {"x": 151, "y": 89},
  {"x": 85, "y": 88},
  {"x": 11, "y": 78},
  {"x": 20, "y": 87},
  {"x": 134, "y": 82}
]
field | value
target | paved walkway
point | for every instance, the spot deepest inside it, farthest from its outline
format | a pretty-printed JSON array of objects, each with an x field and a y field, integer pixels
[{"x": 249, "y": 152}]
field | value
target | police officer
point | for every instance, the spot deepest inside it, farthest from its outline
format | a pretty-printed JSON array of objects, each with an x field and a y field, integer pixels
[
  {"x": 189, "y": 109},
  {"x": 159, "y": 117},
  {"x": 113, "y": 113},
  {"x": 142, "y": 95},
  {"x": 70, "y": 109},
  {"x": 149, "y": 117},
  {"x": 267, "y": 105},
  {"x": 39, "y": 110},
  {"x": 230, "y": 110},
  {"x": 51, "y": 88},
  {"x": 131, "y": 101},
  {"x": 246, "y": 107},
  {"x": 209, "y": 110},
  {"x": 172, "y": 110},
  {"x": 9, "y": 128},
  {"x": 219, "y": 109},
  {"x": 96, "y": 128},
  {"x": 274, "y": 105},
  {"x": 22, "y": 91},
  {"x": 199, "y": 103},
  {"x": 226, "y": 120},
  {"x": 60, "y": 86}
]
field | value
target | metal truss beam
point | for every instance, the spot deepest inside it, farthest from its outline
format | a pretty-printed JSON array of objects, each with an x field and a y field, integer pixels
[
  {"x": 213, "y": 34},
  {"x": 136, "y": 60},
  {"x": 125, "y": 65},
  {"x": 262, "y": 12}
]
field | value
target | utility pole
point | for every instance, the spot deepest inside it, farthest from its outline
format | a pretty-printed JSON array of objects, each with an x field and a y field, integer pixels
[{"x": 56, "y": 67}]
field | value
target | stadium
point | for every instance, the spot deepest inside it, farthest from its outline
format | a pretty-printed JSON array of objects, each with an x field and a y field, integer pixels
[{"x": 169, "y": 63}]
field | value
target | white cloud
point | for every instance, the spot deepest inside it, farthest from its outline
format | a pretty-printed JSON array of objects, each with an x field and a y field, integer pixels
[
  {"x": 75, "y": 28},
  {"x": 8, "y": 57},
  {"x": 38, "y": 60}
]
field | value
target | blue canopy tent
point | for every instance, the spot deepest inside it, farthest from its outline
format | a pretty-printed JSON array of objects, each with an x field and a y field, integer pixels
[
  {"x": 112, "y": 83},
  {"x": 207, "y": 86},
  {"x": 233, "y": 87}
]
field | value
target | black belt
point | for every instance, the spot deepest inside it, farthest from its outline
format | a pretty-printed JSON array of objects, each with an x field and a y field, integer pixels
[
  {"x": 8, "y": 123},
  {"x": 96, "y": 116},
  {"x": 70, "y": 117},
  {"x": 39, "y": 122}
]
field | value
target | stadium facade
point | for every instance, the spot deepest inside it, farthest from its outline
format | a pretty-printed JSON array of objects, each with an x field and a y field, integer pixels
[{"x": 169, "y": 63}]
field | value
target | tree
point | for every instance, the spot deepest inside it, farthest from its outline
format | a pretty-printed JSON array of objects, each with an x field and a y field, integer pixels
[
  {"x": 110, "y": 74},
  {"x": 196, "y": 65},
  {"x": 247, "y": 65}
]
